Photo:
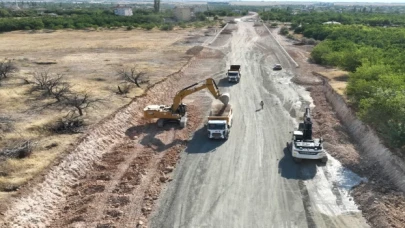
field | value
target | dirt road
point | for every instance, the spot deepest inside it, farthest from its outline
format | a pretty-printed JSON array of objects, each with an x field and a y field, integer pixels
[{"x": 250, "y": 180}]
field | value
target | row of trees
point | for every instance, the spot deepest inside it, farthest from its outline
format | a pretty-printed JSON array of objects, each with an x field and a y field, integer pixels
[
  {"x": 348, "y": 18},
  {"x": 375, "y": 58},
  {"x": 79, "y": 21},
  {"x": 93, "y": 18}
]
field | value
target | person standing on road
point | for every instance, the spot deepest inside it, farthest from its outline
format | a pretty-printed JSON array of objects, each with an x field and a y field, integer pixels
[{"x": 261, "y": 104}]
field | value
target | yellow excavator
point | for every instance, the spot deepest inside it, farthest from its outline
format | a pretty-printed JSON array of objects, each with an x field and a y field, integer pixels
[{"x": 177, "y": 112}]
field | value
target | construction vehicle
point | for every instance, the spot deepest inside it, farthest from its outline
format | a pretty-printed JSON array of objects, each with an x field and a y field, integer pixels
[
  {"x": 234, "y": 74},
  {"x": 303, "y": 146},
  {"x": 177, "y": 112},
  {"x": 220, "y": 121}
]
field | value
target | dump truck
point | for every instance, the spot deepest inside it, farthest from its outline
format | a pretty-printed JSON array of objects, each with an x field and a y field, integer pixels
[
  {"x": 220, "y": 121},
  {"x": 234, "y": 74},
  {"x": 177, "y": 111},
  {"x": 303, "y": 146}
]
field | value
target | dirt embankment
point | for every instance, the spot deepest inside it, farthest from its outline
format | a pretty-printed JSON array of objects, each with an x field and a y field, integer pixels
[
  {"x": 121, "y": 189},
  {"x": 382, "y": 203}
]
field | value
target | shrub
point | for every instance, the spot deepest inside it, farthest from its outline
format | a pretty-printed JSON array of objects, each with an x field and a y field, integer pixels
[
  {"x": 166, "y": 27},
  {"x": 147, "y": 26},
  {"x": 284, "y": 30},
  {"x": 290, "y": 36}
]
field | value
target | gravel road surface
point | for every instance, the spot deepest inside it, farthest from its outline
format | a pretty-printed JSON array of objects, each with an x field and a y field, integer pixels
[{"x": 251, "y": 180}]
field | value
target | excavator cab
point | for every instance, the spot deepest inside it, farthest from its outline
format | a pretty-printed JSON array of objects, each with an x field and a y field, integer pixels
[{"x": 182, "y": 109}]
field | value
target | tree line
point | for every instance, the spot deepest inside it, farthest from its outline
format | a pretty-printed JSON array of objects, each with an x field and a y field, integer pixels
[
  {"x": 94, "y": 18},
  {"x": 345, "y": 17},
  {"x": 375, "y": 57}
]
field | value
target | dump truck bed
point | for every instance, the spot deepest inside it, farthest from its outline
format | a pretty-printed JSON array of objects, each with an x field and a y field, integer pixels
[
  {"x": 234, "y": 68},
  {"x": 221, "y": 112}
]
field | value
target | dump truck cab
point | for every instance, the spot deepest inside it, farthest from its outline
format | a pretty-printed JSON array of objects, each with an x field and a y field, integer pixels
[
  {"x": 220, "y": 121},
  {"x": 218, "y": 129},
  {"x": 233, "y": 73}
]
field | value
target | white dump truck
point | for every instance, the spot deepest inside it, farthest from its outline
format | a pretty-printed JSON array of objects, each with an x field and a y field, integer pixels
[
  {"x": 220, "y": 121},
  {"x": 234, "y": 73}
]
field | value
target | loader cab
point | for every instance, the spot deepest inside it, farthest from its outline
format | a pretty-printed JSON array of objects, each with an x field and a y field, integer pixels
[{"x": 298, "y": 136}]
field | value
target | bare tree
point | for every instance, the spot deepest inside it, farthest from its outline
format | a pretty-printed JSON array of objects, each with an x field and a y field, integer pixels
[
  {"x": 53, "y": 85},
  {"x": 46, "y": 81},
  {"x": 71, "y": 123},
  {"x": 59, "y": 92},
  {"x": 124, "y": 89},
  {"x": 21, "y": 150},
  {"x": 41, "y": 79},
  {"x": 133, "y": 76},
  {"x": 6, "y": 68},
  {"x": 81, "y": 102}
]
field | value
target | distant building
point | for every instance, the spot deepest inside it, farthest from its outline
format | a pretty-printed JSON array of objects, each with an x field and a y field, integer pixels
[
  {"x": 14, "y": 7},
  {"x": 123, "y": 11},
  {"x": 331, "y": 23},
  {"x": 183, "y": 13},
  {"x": 218, "y": 3},
  {"x": 200, "y": 8}
]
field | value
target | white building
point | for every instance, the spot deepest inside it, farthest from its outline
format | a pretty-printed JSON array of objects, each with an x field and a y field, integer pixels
[
  {"x": 183, "y": 13},
  {"x": 200, "y": 8},
  {"x": 123, "y": 11}
]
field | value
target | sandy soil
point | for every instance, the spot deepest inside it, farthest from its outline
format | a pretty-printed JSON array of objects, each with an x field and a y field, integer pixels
[
  {"x": 88, "y": 60},
  {"x": 127, "y": 156},
  {"x": 382, "y": 204}
]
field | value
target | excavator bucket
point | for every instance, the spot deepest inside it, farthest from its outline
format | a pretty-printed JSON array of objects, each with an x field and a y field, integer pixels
[{"x": 224, "y": 98}]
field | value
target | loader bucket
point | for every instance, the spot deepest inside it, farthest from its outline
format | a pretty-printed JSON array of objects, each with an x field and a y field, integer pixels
[{"x": 224, "y": 98}]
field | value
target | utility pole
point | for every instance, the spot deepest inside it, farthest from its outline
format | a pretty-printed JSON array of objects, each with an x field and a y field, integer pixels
[{"x": 156, "y": 6}]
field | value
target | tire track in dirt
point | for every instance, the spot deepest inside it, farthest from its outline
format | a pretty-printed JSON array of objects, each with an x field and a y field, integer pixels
[{"x": 40, "y": 206}]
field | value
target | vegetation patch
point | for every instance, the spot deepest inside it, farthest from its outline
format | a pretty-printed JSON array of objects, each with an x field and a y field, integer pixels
[{"x": 368, "y": 44}]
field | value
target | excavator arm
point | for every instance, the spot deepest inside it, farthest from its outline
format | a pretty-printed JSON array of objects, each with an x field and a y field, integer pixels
[
  {"x": 208, "y": 83},
  {"x": 177, "y": 111}
]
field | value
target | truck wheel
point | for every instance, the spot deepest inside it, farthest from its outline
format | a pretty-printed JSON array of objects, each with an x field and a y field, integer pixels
[
  {"x": 324, "y": 159},
  {"x": 297, "y": 160},
  {"x": 160, "y": 122}
]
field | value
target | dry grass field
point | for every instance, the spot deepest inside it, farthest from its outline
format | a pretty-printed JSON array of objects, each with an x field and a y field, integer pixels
[
  {"x": 88, "y": 61},
  {"x": 337, "y": 79}
]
